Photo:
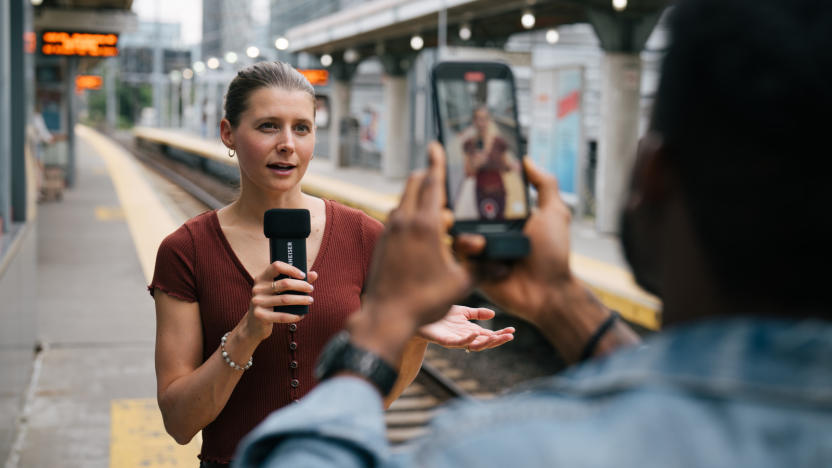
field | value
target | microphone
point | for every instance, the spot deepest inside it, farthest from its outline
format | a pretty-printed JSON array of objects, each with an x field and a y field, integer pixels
[{"x": 287, "y": 231}]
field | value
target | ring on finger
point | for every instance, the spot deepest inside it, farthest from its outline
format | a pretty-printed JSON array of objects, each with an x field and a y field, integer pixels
[{"x": 274, "y": 287}]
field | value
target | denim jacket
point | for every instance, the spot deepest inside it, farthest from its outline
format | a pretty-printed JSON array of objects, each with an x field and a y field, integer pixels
[{"x": 737, "y": 392}]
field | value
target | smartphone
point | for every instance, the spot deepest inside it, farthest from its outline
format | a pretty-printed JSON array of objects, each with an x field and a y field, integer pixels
[{"x": 475, "y": 108}]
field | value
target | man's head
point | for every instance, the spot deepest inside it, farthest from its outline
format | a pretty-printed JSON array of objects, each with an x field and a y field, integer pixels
[{"x": 739, "y": 130}]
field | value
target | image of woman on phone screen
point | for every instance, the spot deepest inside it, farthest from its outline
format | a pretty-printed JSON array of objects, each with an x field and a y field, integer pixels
[
  {"x": 224, "y": 358},
  {"x": 487, "y": 159}
]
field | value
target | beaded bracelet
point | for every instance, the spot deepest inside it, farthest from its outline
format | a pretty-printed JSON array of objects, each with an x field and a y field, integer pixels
[{"x": 228, "y": 360}]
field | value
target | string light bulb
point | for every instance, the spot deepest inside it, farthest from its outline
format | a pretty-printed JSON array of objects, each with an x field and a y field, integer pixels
[
  {"x": 252, "y": 52},
  {"x": 619, "y": 5},
  {"x": 326, "y": 60},
  {"x": 213, "y": 63},
  {"x": 231, "y": 57}
]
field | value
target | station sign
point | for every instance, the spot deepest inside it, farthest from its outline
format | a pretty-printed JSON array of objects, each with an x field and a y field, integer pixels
[
  {"x": 83, "y": 82},
  {"x": 79, "y": 44},
  {"x": 317, "y": 77}
]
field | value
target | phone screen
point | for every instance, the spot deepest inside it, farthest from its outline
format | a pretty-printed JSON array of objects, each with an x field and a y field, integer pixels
[{"x": 479, "y": 129}]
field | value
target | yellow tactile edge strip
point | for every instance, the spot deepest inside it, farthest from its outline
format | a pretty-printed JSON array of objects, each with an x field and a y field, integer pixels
[
  {"x": 614, "y": 286},
  {"x": 137, "y": 434}
]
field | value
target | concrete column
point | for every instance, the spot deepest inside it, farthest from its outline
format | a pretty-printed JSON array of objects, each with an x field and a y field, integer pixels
[
  {"x": 72, "y": 108},
  {"x": 174, "y": 104},
  {"x": 339, "y": 109},
  {"x": 620, "y": 95},
  {"x": 110, "y": 90},
  {"x": 187, "y": 105},
  {"x": 199, "y": 109},
  {"x": 396, "y": 157},
  {"x": 158, "y": 84}
]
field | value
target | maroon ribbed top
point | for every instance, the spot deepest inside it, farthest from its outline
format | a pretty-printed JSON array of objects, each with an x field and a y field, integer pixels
[{"x": 196, "y": 264}]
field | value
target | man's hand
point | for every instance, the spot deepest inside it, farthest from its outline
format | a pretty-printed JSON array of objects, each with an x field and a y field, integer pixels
[
  {"x": 414, "y": 278},
  {"x": 531, "y": 287}
]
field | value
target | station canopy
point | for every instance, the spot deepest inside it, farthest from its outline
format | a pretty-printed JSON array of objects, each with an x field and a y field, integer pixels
[{"x": 386, "y": 26}]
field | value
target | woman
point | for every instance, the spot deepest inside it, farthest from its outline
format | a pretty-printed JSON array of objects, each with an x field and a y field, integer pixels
[
  {"x": 224, "y": 359},
  {"x": 486, "y": 159}
]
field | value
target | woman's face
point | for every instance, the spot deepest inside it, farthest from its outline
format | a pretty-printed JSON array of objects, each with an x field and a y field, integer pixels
[
  {"x": 275, "y": 138},
  {"x": 481, "y": 119}
]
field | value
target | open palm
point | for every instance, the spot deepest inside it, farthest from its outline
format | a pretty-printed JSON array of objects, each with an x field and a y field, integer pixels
[{"x": 456, "y": 330}]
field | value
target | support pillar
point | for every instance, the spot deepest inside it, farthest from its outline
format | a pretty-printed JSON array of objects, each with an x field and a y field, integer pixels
[
  {"x": 339, "y": 103},
  {"x": 622, "y": 36},
  {"x": 620, "y": 96},
  {"x": 110, "y": 90},
  {"x": 395, "y": 161},
  {"x": 174, "y": 104},
  {"x": 71, "y": 110}
]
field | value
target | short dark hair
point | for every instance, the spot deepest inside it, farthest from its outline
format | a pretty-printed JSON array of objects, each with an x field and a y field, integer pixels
[
  {"x": 743, "y": 89},
  {"x": 262, "y": 75}
]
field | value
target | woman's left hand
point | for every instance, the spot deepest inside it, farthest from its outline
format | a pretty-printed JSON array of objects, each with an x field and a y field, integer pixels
[{"x": 456, "y": 330}]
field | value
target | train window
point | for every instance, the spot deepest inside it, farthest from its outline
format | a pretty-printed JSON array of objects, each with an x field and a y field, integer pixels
[{"x": 322, "y": 112}]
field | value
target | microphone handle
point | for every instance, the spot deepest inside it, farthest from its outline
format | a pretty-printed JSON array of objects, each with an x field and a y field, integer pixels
[{"x": 293, "y": 252}]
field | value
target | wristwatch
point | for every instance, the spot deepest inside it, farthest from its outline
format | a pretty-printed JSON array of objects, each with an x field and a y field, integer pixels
[{"x": 341, "y": 355}]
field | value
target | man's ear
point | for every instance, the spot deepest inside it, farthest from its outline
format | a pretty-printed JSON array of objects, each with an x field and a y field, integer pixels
[
  {"x": 652, "y": 178},
  {"x": 226, "y": 135}
]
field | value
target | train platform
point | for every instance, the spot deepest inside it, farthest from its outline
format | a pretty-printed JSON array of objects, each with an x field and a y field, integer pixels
[{"x": 92, "y": 399}]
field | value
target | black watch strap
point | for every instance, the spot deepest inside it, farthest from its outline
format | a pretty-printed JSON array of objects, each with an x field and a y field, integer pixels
[{"x": 341, "y": 355}]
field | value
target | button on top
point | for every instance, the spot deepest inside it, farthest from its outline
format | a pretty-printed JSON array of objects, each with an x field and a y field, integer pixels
[
  {"x": 293, "y": 365},
  {"x": 293, "y": 346},
  {"x": 294, "y": 383},
  {"x": 293, "y": 327}
]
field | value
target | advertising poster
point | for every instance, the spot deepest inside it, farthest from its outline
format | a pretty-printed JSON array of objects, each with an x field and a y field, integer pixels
[{"x": 555, "y": 135}]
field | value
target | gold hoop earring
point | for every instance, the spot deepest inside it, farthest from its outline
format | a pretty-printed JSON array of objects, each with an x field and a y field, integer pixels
[{"x": 231, "y": 153}]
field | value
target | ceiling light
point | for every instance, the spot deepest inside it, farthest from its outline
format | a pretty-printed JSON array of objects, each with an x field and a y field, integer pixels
[
  {"x": 281, "y": 43},
  {"x": 465, "y": 32},
  {"x": 527, "y": 20},
  {"x": 416, "y": 42},
  {"x": 351, "y": 56},
  {"x": 552, "y": 36}
]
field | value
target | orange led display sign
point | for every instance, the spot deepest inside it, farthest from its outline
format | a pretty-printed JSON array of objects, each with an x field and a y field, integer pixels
[
  {"x": 82, "y": 44},
  {"x": 316, "y": 77},
  {"x": 83, "y": 82}
]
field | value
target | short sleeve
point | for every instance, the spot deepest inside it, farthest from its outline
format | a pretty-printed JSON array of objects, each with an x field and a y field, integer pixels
[{"x": 174, "y": 271}]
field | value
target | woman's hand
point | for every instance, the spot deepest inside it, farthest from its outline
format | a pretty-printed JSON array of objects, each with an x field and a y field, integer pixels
[
  {"x": 258, "y": 322},
  {"x": 456, "y": 330}
]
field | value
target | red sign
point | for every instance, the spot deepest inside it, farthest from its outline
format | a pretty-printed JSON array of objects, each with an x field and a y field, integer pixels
[
  {"x": 83, "y": 82},
  {"x": 81, "y": 44},
  {"x": 568, "y": 104},
  {"x": 316, "y": 77},
  {"x": 475, "y": 76}
]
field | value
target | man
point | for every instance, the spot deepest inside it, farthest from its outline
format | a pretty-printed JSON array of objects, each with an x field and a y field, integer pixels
[{"x": 725, "y": 215}]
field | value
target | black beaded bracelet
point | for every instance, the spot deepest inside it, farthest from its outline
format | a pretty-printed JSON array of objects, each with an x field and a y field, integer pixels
[{"x": 602, "y": 330}]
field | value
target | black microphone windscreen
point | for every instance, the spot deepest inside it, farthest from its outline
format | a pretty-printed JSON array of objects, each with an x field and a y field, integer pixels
[{"x": 286, "y": 223}]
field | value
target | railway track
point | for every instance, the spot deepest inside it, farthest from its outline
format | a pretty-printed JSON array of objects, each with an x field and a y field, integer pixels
[{"x": 437, "y": 382}]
